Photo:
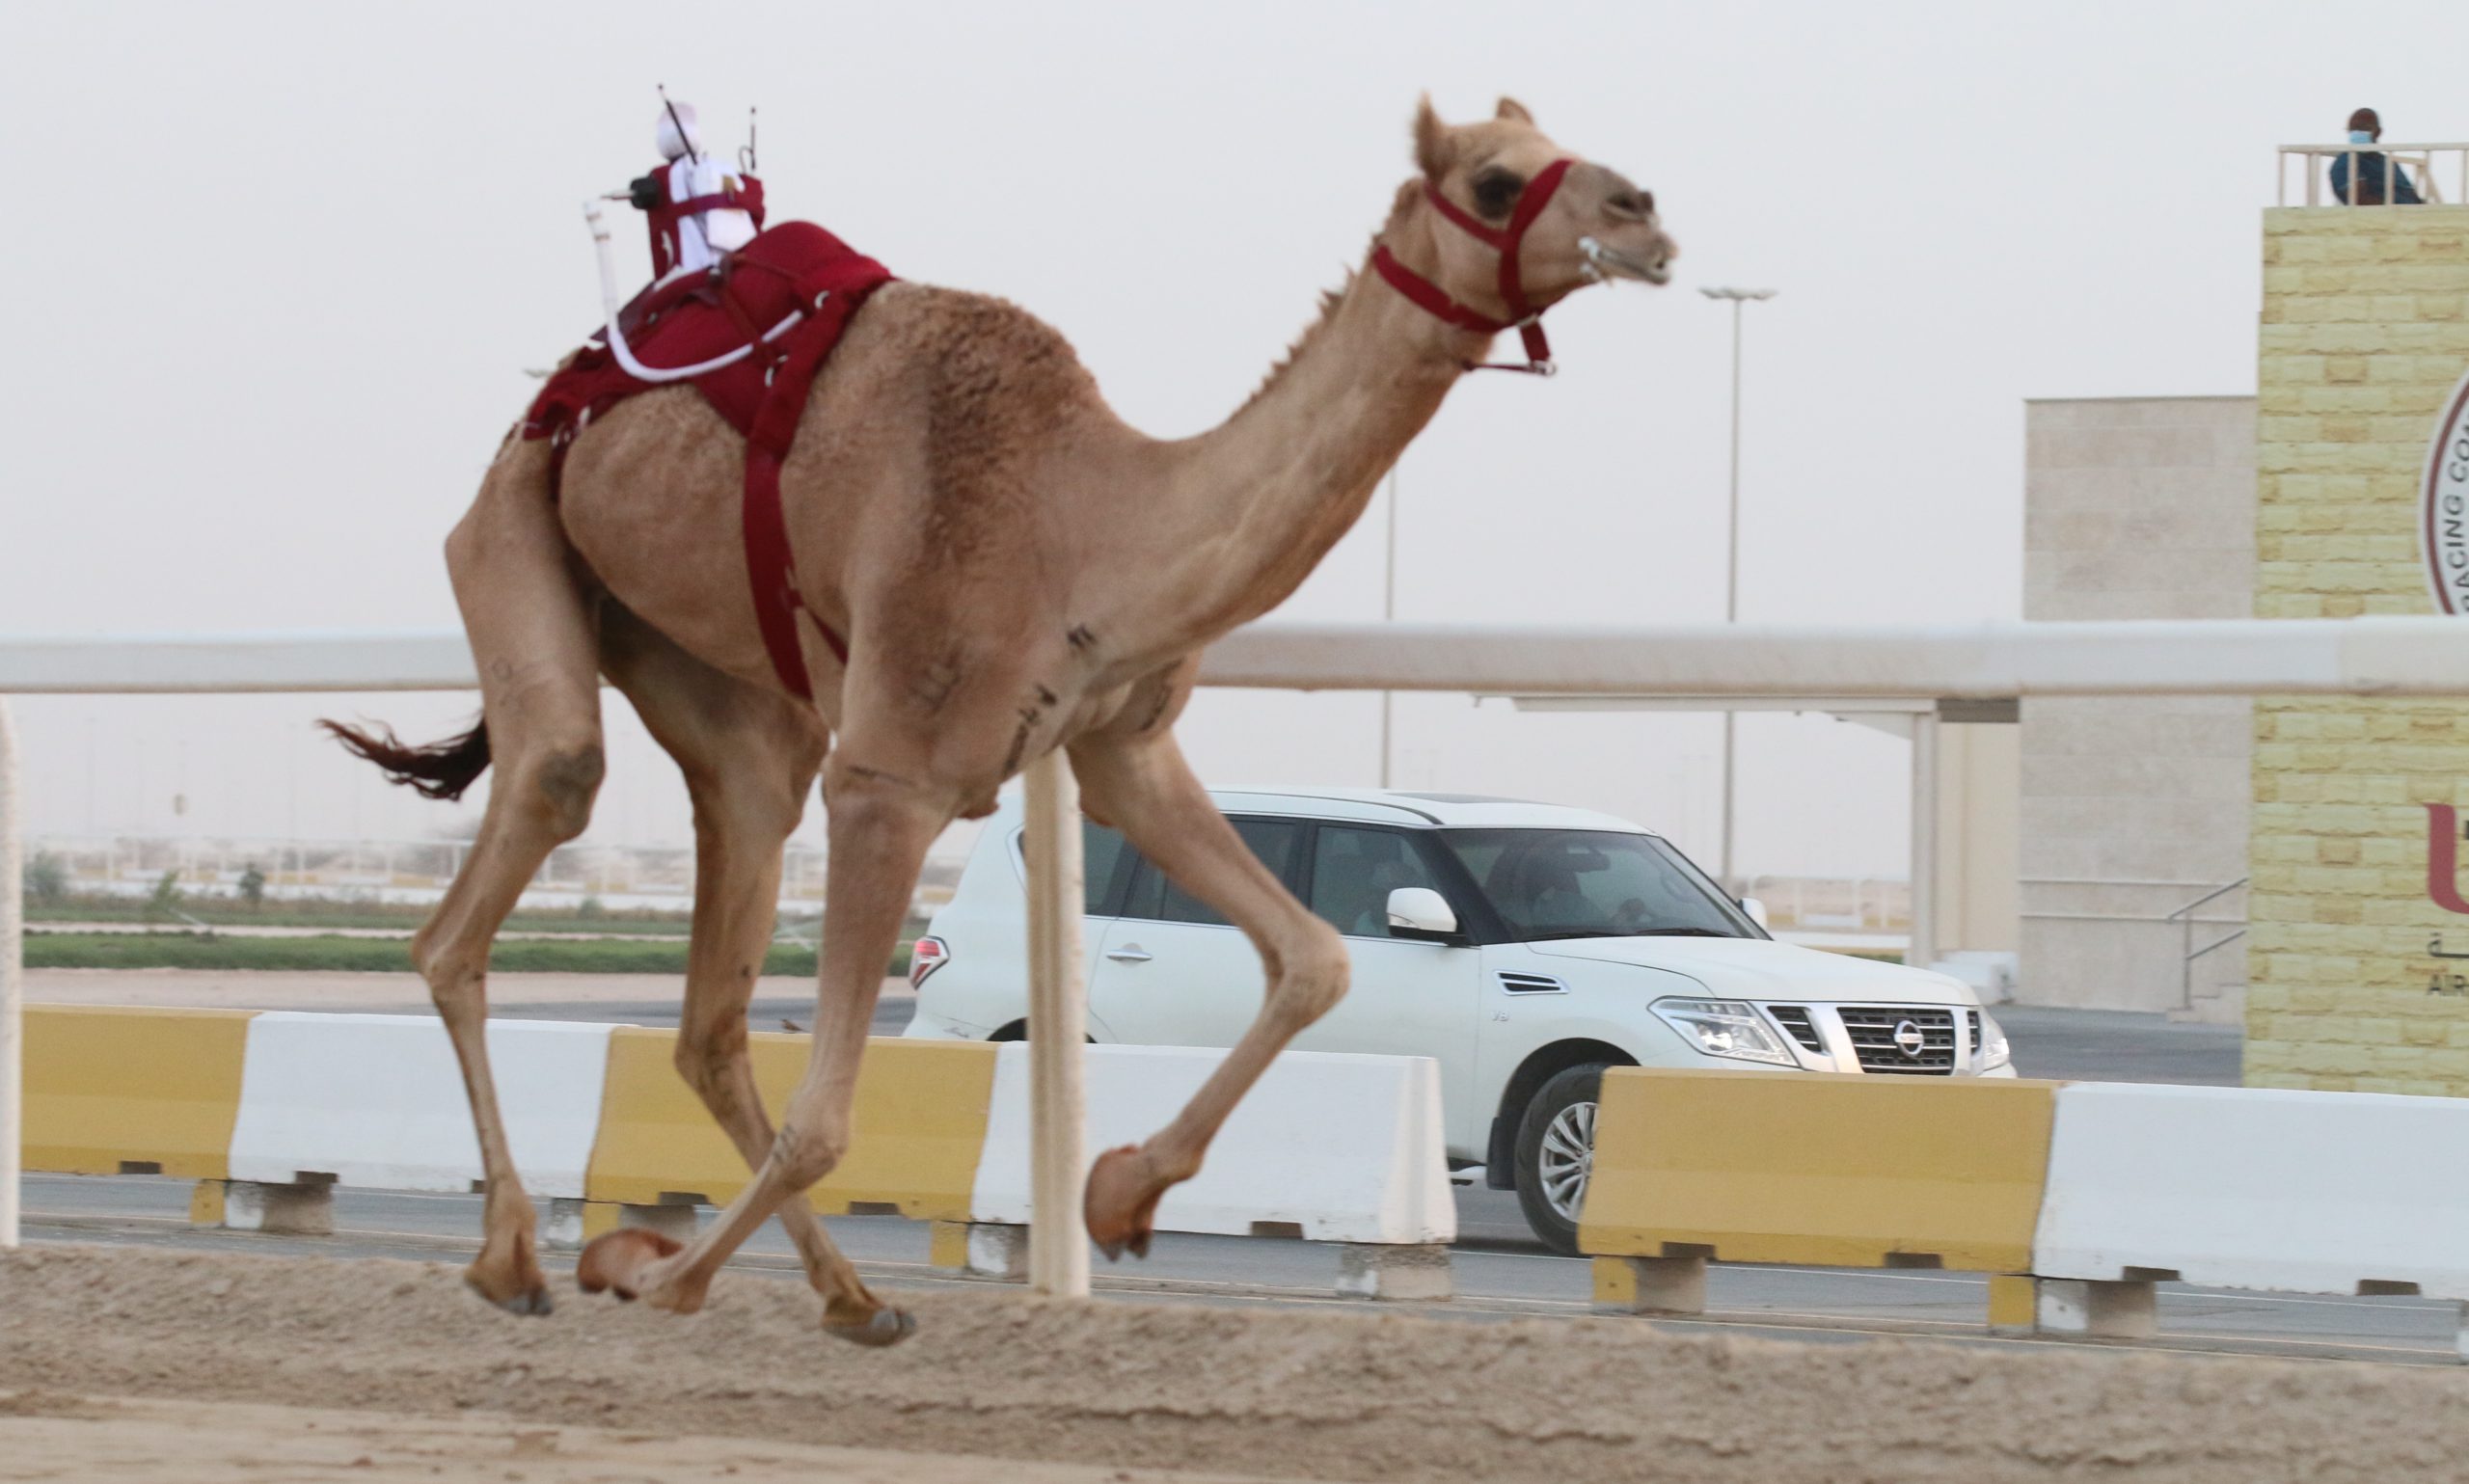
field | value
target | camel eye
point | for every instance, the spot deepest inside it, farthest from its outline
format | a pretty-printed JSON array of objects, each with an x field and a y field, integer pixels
[{"x": 1496, "y": 191}]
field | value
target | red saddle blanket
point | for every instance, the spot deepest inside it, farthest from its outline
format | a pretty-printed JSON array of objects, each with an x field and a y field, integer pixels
[{"x": 795, "y": 270}]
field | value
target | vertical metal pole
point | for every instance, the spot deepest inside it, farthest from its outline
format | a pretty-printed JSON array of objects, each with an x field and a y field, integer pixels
[
  {"x": 1389, "y": 614},
  {"x": 13, "y": 1043},
  {"x": 1731, "y": 599},
  {"x": 1058, "y": 1020},
  {"x": 1923, "y": 951}
]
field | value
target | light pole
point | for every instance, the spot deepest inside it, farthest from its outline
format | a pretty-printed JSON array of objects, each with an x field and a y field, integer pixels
[{"x": 1731, "y": 558}]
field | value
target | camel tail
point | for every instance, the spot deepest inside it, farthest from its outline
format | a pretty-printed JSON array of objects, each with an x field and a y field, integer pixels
[{"x": 442, "y": 770}]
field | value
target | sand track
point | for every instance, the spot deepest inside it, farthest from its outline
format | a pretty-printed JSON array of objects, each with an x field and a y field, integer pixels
[{"x": 1117, "y": 1386}]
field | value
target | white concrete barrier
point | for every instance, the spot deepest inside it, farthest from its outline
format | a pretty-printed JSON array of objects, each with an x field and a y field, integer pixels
[
  {"x": 2255, "y": 1188},
  {"x": 378, "y": 1101},
  {"x": 1330, "y": 1147}
]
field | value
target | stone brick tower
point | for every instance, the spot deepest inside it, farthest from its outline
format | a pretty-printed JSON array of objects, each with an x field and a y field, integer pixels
[{"x": 2365, "y": 332}]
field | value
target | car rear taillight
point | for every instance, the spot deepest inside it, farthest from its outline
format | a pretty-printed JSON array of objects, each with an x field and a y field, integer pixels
[{"x": 924, "y": 956}]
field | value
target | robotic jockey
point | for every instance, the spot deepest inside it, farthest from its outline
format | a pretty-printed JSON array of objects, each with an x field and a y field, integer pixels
[{"x": 697, "y": 208}]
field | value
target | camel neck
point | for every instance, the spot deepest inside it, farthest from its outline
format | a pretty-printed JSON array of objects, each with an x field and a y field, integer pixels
[{"x": 1258, "y": 500}]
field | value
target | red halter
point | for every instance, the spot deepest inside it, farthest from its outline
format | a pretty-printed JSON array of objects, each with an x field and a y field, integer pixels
[{"x": 1429, "y": 295}]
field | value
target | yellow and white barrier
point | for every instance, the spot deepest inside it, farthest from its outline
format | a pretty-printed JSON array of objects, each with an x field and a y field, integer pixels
[
  {"x": 1379, "y": 1184},
  {"x": 2077, "y": 1198},
  {"x": 119, "y": 1091},
  {"x": 1808, "y": 1168},
  {"x": 919, "y": 1124},
  {"x": 2354, "y": 1192},
  {"x": 377, "y": 1101},
  {"x": 271, "y": 1112}
]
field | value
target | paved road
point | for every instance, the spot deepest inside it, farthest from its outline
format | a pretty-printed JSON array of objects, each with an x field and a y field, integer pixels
[{"x": 1814, "y": 1303}]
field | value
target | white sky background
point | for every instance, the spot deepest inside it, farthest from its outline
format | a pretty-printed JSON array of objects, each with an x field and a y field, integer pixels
[{"x": 278, "y": 269}]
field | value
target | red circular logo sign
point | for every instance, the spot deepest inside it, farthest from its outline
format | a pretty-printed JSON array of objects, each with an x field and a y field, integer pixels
[{"x": 2443, "y": 514}]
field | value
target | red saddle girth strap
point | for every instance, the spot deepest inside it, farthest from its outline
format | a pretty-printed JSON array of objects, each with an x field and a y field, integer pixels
[
  {"x": 770, "y": 566},
  {"x": 1510, "y": 241}
]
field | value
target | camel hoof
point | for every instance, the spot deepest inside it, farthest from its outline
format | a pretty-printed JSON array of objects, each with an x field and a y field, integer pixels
[
  {"x": 531, "y": 1300},
  {"x": 1120, "y": 1202},
  {"x": 878, "y": 1330},
  {"x": 531, "y": 1304},
  {"x": 615, "y": 1263}
]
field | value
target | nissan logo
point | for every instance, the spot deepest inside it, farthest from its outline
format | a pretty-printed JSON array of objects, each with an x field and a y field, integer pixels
[{"x": 1909, "y": 1041}]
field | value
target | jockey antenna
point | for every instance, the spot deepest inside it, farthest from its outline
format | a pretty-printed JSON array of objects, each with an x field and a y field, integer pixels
[{"x": 683, "y": 138}]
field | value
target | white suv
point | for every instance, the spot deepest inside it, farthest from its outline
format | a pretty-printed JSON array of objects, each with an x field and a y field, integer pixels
[{"x": 1524, "y": 947}]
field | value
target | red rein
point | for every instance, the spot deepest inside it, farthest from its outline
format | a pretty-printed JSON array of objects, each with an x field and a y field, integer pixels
[{"x": 1526, "y": 320}]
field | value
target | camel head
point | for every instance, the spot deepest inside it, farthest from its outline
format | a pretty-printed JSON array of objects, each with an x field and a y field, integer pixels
[{"x": 1597, "y": 226}]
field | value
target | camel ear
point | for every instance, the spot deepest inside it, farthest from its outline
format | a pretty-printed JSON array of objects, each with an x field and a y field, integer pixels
[
  {"x": 1433, "y": 149},
  {"x": 1514, "y": 111}
]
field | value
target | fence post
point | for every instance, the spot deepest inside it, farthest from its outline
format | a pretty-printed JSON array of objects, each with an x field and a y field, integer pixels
[
  {"x": 12, "y": 848},
  {"x": 1058, "y": 1020},
  {"x": 1923, "y": 910}
]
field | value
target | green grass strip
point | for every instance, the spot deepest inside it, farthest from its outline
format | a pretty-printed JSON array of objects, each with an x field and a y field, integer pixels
[{"x": 379, "y": 955}]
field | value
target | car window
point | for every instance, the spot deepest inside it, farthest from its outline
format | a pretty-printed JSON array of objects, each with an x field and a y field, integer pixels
[
  {"x": 1105, "y": 859},
  {"x": 1102, "y": 853},
  {"x": 1276, "y": 842},
  {"x": 1354, "y": 871},
  {"x": 1564, "y": 884}
]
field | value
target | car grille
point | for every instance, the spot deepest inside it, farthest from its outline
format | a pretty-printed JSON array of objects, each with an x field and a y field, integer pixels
[
  {"x": 1972, "y": 1041},
  {"x": 1873, "y": 1031},
  {"x": 1795, "y": 1020}
]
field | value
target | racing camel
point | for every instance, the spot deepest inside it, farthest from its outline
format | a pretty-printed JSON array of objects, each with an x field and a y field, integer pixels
[{"x": 985, "y": 564}]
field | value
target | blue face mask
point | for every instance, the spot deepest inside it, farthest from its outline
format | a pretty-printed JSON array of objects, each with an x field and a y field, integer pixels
[{"x": 2360, "y": 137}]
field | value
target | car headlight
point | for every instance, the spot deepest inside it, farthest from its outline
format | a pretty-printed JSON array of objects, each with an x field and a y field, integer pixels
[
  {"x": 1726, "y": 1028},
  {"x": 1994, "y": 1051}
]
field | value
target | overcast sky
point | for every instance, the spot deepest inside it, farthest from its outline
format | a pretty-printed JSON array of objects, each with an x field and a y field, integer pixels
[{"x": 277, "y": 271}]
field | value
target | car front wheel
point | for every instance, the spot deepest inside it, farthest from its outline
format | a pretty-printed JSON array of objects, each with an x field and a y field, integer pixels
[{"x": 1556, "y": 1154}]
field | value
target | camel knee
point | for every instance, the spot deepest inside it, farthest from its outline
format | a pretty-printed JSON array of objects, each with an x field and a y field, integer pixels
[
  {"x": 557, "y": 785},
  {"x": 804, "y": 1152},
  {"x": 706, "y": 1056},
  {"x": 1307, "y": 976}
]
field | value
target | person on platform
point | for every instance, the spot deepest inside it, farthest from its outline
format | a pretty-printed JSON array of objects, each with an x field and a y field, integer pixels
[
  {"x": 2374, "y": 169},
  {"x": 698, "y": 209}
]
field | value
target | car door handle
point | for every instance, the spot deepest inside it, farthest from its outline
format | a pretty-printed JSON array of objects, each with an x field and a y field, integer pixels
[{"x": 1129, "y": 953}]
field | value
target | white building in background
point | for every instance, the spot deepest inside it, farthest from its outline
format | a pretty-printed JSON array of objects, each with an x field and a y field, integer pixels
[{"x": 2135, "y": 809}]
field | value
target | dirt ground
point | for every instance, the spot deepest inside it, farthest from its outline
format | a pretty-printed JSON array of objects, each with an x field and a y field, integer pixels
[
  {"x": 52, "y": 1435},
  {"x": 1112, "y": 1387}
]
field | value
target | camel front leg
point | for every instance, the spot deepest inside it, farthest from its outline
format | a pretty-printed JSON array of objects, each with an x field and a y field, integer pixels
[
  {"x": 880, "y": 827},
  {"x": 1143, "y": 786}
]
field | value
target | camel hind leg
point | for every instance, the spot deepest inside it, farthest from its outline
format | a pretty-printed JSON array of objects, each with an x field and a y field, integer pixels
[
  {"x": 535, "y": 639},
  {"x": 749, "y": 757},
  {"x": 881, "y": 826}
]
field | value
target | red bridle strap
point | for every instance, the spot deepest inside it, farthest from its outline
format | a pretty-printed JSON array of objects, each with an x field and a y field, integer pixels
[{"x": 1508, "y": 241}]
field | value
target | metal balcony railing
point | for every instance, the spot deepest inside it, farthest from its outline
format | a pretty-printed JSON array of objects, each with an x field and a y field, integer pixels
[{"x": 2421, "y": 161}]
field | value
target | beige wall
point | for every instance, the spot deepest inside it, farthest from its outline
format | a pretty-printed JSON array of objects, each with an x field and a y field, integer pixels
[
  {"x": 2365, "y": 328},
  {"x": 2132, "y": 807},
  {"x": 1977, "y": 769}
]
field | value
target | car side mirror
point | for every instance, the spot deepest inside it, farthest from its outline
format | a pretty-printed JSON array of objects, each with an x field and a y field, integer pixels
[
  {"x": 1421, "y": 913},
  {"x": 1756, "y": 910}
]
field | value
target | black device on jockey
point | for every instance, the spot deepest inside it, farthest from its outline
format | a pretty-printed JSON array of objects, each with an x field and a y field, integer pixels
[{"x": 1508, "y": 240}]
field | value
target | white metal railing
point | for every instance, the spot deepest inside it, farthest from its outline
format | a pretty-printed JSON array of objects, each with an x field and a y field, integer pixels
[
  {"x": 2418, "y": 160},
  {"x": 2381, "y": 656},
  {"x": 2184, "y": 916}
]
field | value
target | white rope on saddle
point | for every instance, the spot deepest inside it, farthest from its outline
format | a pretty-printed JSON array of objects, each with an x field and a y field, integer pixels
[{"x": 617, "y": 346}]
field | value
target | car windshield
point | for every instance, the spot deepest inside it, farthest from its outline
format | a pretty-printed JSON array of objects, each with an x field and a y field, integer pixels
[{"x": 1587, "y": 883}]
